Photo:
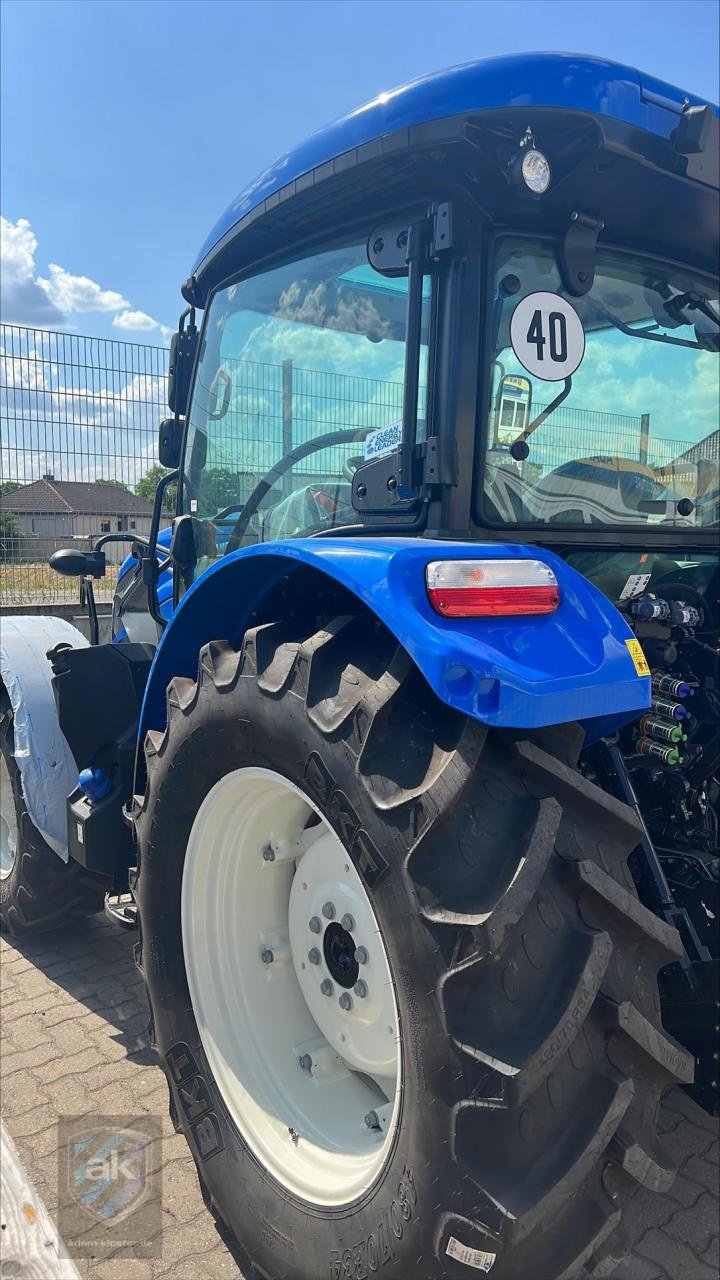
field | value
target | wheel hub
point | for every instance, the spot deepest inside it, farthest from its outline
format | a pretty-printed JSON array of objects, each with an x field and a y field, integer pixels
[
  {"x": 362, "y": 1029},
  {"x": 339, "y": 952}
]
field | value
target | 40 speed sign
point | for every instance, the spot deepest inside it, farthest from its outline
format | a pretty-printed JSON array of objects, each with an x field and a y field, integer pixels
[{"x": 547, "y": 336}]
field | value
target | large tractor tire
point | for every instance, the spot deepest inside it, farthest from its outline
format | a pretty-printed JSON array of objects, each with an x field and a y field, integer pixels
[
  {"x": 401, "y": 984},
  {"x": 38, "y": 891}
]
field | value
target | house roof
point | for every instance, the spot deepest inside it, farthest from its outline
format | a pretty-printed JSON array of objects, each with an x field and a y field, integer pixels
[{"x": 74, "y": 497}]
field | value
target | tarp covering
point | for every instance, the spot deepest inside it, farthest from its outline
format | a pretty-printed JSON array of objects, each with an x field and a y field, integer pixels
[{"x": 47, "y": 769}]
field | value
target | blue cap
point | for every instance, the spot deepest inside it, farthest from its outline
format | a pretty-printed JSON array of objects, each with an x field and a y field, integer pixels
[{"x": 95, "y": 784}]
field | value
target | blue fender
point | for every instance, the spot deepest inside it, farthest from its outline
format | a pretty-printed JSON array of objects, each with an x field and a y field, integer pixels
[{"x": 512, "y": 672}]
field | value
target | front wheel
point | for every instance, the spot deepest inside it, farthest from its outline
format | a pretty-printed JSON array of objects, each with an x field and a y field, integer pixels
[{"x": 402, "y": 987}]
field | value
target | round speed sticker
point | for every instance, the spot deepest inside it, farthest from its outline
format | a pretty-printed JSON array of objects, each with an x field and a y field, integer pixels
[{"x": 547, "y": 336}]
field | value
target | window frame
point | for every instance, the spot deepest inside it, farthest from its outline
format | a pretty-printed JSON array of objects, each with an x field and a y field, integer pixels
[{"x": 570, "y": 534}]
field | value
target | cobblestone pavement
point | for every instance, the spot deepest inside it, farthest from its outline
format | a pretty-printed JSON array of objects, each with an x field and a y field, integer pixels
[{"x": 73, "y": 1020}]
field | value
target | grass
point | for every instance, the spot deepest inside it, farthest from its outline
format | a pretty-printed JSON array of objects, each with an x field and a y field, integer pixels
[{"x": 37, "y": 584}]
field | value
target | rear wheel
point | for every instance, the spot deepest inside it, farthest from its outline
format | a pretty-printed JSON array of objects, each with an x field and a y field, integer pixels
[
  {"x": 38, "y": 891},
  {"x": 477, "y": 887}
]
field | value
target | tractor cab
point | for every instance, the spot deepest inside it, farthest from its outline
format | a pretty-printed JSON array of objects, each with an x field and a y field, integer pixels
[{"x": 483, "y": 306}]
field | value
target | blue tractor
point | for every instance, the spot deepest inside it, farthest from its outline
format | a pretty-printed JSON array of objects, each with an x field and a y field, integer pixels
[{"x": 403, "y": 752}]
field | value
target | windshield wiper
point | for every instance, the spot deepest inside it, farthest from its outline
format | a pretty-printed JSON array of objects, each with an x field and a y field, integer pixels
[
  {"x": 648, "y": 333},
  {"x": 538, "y": 421}
]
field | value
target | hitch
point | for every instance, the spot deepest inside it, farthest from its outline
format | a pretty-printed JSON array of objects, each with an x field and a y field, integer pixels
[{"x": 654, "y": 882}]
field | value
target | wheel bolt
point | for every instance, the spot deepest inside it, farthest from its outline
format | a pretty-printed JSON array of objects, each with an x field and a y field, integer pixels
[
  {"x": 346, "y": 1001},
  {"x": 267, "y": 956},
  {"x": 268, "y": 854},
  {"x": 361, "y": 988},
  {"x": 361, "y": 955},
  {"x": 314, "y": 955},
  {"x": 372, "y": 1120},
  {"x": 305, "y": 1062},
  {"x": 329, "y": 910},
  {"x": 326, "y": 987},
  {"x": 315, "y": 924},
  {"x": 347, "y": 922}
]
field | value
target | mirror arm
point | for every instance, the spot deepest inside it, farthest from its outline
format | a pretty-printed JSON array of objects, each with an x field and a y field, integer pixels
[
  {"x": 148, "y": 565},
  {"x": 119, "y": 537},
  {"x": 87, "y": 600}
]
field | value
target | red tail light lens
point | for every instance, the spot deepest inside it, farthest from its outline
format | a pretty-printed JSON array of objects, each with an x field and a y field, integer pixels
[{"x": 491, "y": 588}]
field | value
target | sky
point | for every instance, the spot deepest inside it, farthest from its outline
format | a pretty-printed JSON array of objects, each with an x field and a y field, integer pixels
[{"x": 129, "y": 125}]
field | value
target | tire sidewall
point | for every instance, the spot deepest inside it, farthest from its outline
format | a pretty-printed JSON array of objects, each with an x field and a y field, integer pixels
[{"x": 391, "y": 1229}]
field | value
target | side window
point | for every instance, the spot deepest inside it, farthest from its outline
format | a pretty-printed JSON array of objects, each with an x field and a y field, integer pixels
[
  {"x": 300, "y": 377},
  {"x": 603, "y": 407}
]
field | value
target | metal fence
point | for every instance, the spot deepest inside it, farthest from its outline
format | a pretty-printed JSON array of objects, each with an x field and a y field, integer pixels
[
  {"x": 78, "y": 437},
  {"x": 78, "y": 441}
]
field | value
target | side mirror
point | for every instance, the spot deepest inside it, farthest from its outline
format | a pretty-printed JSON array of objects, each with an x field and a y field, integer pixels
[
  {"x": 513, "y": 403},
  {"x": 170, "y": 440},
  {"x": 183, "y": 349},
  {"x": 78, "y": 564}
]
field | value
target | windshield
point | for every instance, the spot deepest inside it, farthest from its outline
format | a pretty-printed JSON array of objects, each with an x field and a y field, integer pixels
[
  {"x": 300, "y": 379},
  {"x": 604, "y": 408}
]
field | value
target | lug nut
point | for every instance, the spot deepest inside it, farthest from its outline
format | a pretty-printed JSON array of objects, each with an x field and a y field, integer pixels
[
  {"x": 314, "y": 955},
  {"x": 347, "y": 922},
  {"x": 326, "y": 987},
  {"x": 305, "y": 1062},
  {"x": 361, "y": 988},
  {"x": 268, "y": 854},
  {"x": 361, "y": 955},
  {"x": 346, "y": 1001},
  {"x": 328, "y": 911},
  {"x": 372, "y": 1120},
  {"x": 267, "y": 956},
  {"x": 315, "y": 924}
]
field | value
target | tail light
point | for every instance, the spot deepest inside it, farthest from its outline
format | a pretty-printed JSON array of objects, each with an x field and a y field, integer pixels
[{"x": 491, "y": 588}]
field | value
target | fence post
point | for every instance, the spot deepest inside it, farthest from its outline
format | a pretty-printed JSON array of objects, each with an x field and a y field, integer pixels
[
  {"x": 644, "y": 436},
  {"x": 287, "y": 419}
]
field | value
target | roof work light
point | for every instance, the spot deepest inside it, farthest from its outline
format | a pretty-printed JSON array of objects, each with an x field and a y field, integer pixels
[{"x": 530, "y": 166}]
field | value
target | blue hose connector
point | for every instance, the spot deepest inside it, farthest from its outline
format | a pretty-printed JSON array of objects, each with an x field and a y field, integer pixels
[{"x": 94, "y": 784}]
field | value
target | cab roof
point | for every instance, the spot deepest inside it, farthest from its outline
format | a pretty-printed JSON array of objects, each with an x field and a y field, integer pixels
[{"x": 574, "y": 82}]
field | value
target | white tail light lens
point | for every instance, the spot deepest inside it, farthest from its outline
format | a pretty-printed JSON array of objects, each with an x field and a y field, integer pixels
[{"x": 491, "y": 588}]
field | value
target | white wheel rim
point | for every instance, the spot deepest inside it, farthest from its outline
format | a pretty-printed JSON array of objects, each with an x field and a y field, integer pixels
[
  {"x": 8, "y": 822},
  {"x": 314, "y": 1088}
]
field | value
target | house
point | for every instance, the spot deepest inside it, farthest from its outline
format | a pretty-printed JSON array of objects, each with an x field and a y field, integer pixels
[{"x": 53, "y": 513}]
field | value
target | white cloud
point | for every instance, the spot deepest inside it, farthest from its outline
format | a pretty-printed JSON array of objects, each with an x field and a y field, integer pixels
[
  {"x": 31, "y": 299},
  {"x": 78, "y": 293},
  {"x": 138, "y": 320},
  {"x": 23, "y": 300},
  {"x": 18, "y": 245}
]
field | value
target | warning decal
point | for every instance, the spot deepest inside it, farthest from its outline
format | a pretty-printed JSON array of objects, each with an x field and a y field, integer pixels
[{"x": 639, "y": 660}]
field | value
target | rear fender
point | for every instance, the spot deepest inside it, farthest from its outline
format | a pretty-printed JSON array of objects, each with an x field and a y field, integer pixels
[{"x": 511, "y": 672}]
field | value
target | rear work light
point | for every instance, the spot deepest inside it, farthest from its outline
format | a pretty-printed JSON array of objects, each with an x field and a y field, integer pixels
[{"x": 491, "y": 588}]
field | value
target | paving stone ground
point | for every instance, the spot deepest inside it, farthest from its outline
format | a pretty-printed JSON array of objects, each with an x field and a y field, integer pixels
[{"x": 73, "y": 1037}]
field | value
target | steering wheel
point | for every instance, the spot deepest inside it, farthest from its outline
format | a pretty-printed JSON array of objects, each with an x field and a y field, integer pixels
[
  {"x": 274, "y": 474},
  {"x": 350, "y": 466}
]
